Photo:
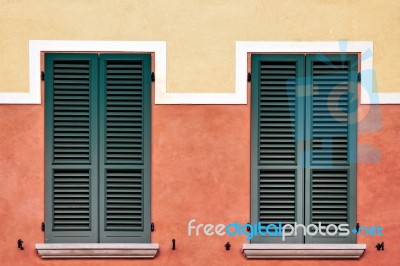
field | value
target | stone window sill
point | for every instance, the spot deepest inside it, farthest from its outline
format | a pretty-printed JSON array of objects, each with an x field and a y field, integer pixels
[
  {"x": 303, "y": 251},
  {"x": 77, "y": 251}
]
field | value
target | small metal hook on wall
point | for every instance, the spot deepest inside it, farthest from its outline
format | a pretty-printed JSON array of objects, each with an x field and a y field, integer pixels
[
  {"x": 380, "y": 246},
  {"x": 19, "y": 242}
]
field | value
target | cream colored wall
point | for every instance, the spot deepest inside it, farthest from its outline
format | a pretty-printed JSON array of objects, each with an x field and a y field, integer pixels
[{"x": 200, "y": 35}]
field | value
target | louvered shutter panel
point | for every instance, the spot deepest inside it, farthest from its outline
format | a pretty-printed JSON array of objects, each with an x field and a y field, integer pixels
[
  {"x": 331, "y": 139},
  {"x": 71, "y": 147},
  {"x": 125, "y": 106},
  {"x": 277, "y": 89}
]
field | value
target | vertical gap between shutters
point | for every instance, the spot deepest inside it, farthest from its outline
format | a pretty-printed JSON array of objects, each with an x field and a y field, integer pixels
[
  {"x": 331, "y": 61},
  {"x": 98, "y": 144}
]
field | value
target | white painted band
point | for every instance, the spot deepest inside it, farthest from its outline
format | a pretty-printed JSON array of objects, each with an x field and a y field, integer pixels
[{"x": 365, "y": 48}]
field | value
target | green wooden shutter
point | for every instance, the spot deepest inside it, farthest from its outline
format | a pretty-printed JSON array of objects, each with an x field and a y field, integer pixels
[
  {"x": 277, "y": 145},
  {"x": 71, "y": 147},
  {"x": 331, "y": 142},
  {"x": 125, "y": 113}
]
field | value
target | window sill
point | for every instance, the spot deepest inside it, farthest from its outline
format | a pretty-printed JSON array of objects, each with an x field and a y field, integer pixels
[
  {"x": 77, "y": 251},
  {"x": 303, "y": 251}
]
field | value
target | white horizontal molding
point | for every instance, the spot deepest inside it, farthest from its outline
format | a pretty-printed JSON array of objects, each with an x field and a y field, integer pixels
[
  {"x": 156, "y": 47},
  {"x": 37, "y": 46},
  {"x": 368, "y": 94},
  {"x": 365, "y": 48},
  {"x": 303, "y": 251},
  {"x": 31, "y": 97},
  {"x": 78, "y": 251}
]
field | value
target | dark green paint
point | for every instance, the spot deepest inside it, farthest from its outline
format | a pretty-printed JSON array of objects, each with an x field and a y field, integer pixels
[
  {"x": 350, "y": 166},
  {"x": 121, "y": 235},
  {"x": 304, "y": 166},
  {"x": 70, "y": 236},
  {"x": 256, "y": 166},
  {"x": 97, "y": 165}
]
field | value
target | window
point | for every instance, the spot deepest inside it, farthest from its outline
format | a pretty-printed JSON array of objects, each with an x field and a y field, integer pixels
[
  {"x": 97, "y": 137},
  {"x": 304, "y": 142}
]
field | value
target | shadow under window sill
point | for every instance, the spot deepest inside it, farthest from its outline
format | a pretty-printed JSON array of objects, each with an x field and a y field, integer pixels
[
  {"x": 97, "y": 250},
  {"x": 303, "y": 251}
]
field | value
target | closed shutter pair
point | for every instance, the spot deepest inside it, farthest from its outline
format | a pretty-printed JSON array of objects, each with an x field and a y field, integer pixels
[
  {"x": 303, "y": 143},
  {"x": 97, "y": 117},
  {"x": 98, "y": 145}
]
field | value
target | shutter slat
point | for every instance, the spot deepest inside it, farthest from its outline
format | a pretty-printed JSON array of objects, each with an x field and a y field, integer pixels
[
  {"x": 329, "y": 186},
  {"x": 130, "y": 194},
  {"x": 330, "y": 112},
  {"x": 275, "y": 109},
  {"x": 125, "y": 86},
  {"x": 71, "y": 119},
  {"x": 330, "y": 131},
  {"x": 118, "y": 75},
  {"x": 67, "y": 109},
  {"x": 275, "y": 102},
  {"x": 65, "y": 215},
  {"x": 276, "y": 184}
]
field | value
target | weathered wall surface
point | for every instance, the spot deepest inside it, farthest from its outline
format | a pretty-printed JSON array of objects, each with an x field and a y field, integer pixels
[
  {"x": 200, "y": 34},
  {"x": 200, "y": 153},
  {"x": 200, "y": 170}
]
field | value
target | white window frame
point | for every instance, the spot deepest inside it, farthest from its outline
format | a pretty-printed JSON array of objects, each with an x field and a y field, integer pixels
[
  {"x": 243, "y": 49},
  {"x": 36, "y": 47},
  {"x": 159, "y": 48},
  {"x": 365, "y": 48}
]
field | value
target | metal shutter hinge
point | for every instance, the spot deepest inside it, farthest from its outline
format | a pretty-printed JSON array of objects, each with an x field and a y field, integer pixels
[
  {"x": 248, "y": 77},
  {"x": 359, "y": 77},
  {"x": 42, "y": 75},
  {"x": 152, "y": 227},
  {"x": 153, "y": 76},
  {"x": 43, "y": 227}
]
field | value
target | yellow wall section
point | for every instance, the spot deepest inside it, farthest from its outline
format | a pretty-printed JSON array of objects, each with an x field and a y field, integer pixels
[{"x": 200, "y": 34}]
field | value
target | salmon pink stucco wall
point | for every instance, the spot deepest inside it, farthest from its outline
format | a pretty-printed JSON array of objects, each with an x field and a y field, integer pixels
[{"x": 200, "y": 170}]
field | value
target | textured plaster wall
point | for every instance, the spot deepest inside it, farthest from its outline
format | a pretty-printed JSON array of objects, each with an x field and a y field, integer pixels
[
  {"x": 200, "y": 34},
  {"x": 200, "y": 170},
  {"x": 200, "y": 162}
]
